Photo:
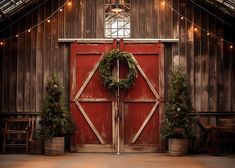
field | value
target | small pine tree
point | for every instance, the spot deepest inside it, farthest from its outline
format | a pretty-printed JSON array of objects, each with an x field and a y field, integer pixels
[
  {"x": 178, "y": 120},
  {"x": 55, "y": 118}
]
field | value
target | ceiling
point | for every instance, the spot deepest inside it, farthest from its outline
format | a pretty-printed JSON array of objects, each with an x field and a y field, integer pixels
[
  {"x": 227, "y": 6},
  {"x": 8, "y": 8}
]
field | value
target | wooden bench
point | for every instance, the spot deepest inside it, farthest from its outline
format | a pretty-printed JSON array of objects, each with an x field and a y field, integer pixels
[
  {"x": 220, "y": 137},
  {"x": 18, "y": 132}
]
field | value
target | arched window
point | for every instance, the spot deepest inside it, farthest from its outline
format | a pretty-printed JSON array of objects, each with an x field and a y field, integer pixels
[{"x": 117, "y": 18}]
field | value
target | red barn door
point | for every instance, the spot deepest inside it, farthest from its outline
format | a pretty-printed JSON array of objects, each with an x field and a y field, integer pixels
[
  {"x": 141, "y": 104},
  {"x": 94, "y": 108},
  {"x": 90, "y": 102}
]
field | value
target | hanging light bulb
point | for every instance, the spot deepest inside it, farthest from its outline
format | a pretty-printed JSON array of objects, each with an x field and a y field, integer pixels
[
  {"x": 182, "y": 18},
  {"x": 207, "y": 33},
  {"x": 1, "y": 43},
  {"x": 163, "y": 3},
  {"x": 61, "y": 9},
  {"x": 70, "y": 3},
  {"x": 116, "y": 6},
  {"x": 195, "y": 29},
  {"x": 231, "y": 47},
  {"x": 48, "y": 21}
]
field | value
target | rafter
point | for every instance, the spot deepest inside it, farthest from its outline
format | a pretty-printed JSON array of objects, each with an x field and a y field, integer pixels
[{"x": 4, "y": 15}]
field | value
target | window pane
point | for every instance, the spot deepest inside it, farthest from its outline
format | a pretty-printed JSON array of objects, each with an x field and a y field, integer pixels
[{"x": 117, "y": 24}]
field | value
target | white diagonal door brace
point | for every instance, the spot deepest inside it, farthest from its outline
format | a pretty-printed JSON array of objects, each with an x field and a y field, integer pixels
[
  {"x": 155, "y": 105},
  {"x": 76, "y": 100}
]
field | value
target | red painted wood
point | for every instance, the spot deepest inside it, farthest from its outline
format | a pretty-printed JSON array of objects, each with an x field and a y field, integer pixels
[
  {"x": 148, "y": 57},
  {"x": 83, "y": 59}
]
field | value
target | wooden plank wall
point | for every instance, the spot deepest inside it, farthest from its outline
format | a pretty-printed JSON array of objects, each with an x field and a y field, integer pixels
[{"x": 26, "y": 62}]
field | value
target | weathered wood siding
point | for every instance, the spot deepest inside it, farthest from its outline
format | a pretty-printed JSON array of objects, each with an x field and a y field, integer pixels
[{"x": 27, "y": 61}]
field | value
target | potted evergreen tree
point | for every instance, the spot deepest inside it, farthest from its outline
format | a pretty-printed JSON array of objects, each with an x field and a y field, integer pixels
[
  {"x": 178, "y": 126},
  {"x": 55, "y": 119}
]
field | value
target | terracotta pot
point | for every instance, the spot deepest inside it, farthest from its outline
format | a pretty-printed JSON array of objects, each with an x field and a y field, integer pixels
[
  {"x": 178, "y": 147},
  {"x": 54, "y": 146}
]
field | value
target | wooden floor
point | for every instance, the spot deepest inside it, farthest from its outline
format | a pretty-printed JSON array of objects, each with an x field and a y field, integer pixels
[{"x": 95, "y": 160}]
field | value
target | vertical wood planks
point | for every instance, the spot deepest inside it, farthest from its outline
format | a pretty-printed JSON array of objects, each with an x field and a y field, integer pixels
[
  {"x": 197, "y": 59},
  {"x": 155, "y": 18},
  {"x": 54, "y": 38},
  {"x": 13, "y": 71},
  {"x": 149, "y": 16},
  {"x": 135, "y": 19},
  {"x": 169, "y": 19},
  {"x": 175, "y": 46},
  {"x": 1, "y": 77},
  {"x": 204, "y": 62},
  {"x": 60, "y": 60},
  {"x": 39, "y": 59},
  {"x": 142, "y": 22},
  {"x": 190, "y": 48},
  {"x": 99, "y": 19},
  {"x": 26, "y": 62},
  {"x": 89, "y": 18},
  {"x": 227, "y": 73},
  {"x": 212, "y": 66},
  {"x": 182, "y": 35},
  {"x": 162, "y": 8},
  {"x": 33, "y": 63},
  {"x": 6, "y": 75},
  {"x": 220, "y": 66},
  {"x": 27, "y": 56},
  {"x": 20, "y": 69}
]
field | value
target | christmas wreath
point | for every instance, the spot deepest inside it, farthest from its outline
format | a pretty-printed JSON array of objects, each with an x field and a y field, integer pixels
[{"x": 106, "y": 65}]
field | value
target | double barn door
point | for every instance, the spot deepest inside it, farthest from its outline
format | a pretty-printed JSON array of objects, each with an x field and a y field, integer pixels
[{"x": 104, "y": 123}]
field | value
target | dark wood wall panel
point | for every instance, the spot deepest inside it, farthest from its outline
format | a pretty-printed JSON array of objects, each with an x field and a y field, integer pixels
[
  {"x": 204, "y": 61},
  {"x": 212, "y": 91},
  {"x": 26, "y": 62},
  {"x": 220, "y": 67},
  {"x": 190, "y": 49},
  {"x": 1, "y": 78},
  {"x": 197, "y": 59},
  {"x": 39, "y": 58}
]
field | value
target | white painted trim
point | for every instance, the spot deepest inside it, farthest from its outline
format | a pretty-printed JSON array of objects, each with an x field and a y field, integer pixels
[{"x": 107, "y": 40}]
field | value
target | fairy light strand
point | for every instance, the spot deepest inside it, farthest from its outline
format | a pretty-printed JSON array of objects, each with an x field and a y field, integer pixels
[
  {"x": 163, "y": 3},
  {"x": 197, "y": 27},
  {"x": 45, "y": 20}
]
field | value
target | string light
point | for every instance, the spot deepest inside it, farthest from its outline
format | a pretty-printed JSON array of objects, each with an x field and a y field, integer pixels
[
  {"x": 163, "y": 3},
  {"x": 69, "y": 3},
  {"x": 45, "y": 20},
  {"x": 196, "y": 27}
]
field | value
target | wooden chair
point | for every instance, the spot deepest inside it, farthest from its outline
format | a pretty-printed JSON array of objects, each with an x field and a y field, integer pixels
[{"x": 18, "y": 132}]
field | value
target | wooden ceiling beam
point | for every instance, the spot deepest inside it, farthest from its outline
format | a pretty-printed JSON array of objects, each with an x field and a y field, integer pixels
[{"x": 4, "y": 15}]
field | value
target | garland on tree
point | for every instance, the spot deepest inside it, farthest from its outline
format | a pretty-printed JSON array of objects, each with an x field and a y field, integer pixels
[{"x": 105, "y": 69}]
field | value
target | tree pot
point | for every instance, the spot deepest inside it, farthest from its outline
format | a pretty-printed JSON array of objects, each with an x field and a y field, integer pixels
[
  {"x": 177, "y": 147},
  {"x": 54, "y": 146}
]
